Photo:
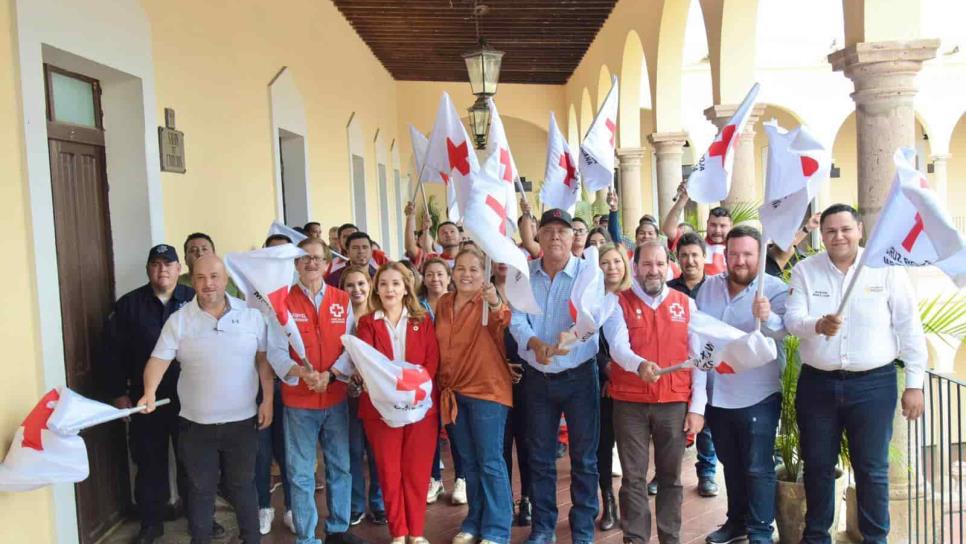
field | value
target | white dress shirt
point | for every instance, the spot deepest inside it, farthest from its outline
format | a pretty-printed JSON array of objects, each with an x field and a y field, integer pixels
[
  {"x": 397, "y": 334},
  {"x": 880, "y": 323}
]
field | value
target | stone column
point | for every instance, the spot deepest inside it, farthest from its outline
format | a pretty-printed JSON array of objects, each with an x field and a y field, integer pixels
[
  {"x": 940, "y": 182},
  {"x": 632, "y": 190},
  {"x": 744, "y": 185},
  {"x": 884, "y": 77},
  {"x": 668, "y": 147}
]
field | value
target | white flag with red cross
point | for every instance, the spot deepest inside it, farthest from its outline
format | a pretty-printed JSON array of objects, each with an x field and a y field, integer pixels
[
  {"x": 499, "y": 164},
  {"x": 728, "y": 350},
  {"x": 46, "y": 448},
  {"x": 486, "y": 222},
  {"x": 401, "y": 392},
  {"x": 450, "y": 155},
  {"x": 420, "y": 144},
  {"x": 590, "y": 304},
  {"x": 710, "y": 180},
  {"x": 598, "y": 149},
  {"x": 265, "y": 276},
  {"x": 914, "y": 228},
  {"x": 798, "y": 165},
  {"x": 561, "y": 182}
]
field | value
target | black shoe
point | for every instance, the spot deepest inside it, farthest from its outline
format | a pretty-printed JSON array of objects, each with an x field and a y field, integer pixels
[
  {"x": 561, "y": 449},
  {"x": 174, "y": 512},
  {"x": 378, "y": 517},
  {"x": 608, "y": 519},
  {"x": 652, "y": 487},
  {"x": 356, "y": 518},
  {"x": 707, "y": 487},
  {"x": 729, "y": 532},
  {"x": 524, "y": 513},
  {"x": 343, "y": 538},
  {"x": 217, "y": 531},
  {"x": 149, "y": 534}
]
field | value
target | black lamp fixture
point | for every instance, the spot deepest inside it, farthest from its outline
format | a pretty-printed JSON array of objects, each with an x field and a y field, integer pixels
[
  {"x": 480, "y": 120},
  {"x": 483, "y": 67}
]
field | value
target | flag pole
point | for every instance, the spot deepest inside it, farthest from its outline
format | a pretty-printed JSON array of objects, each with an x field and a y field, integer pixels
[
  {"x": 762, "y": 263},
  {"x": 519, "y": 185},
  {"x": 673, "y": 368},
  {"x": 487, "y": 272}
]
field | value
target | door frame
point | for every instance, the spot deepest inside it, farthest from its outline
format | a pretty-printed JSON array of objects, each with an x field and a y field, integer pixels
[{"x": 109, "y": 40}]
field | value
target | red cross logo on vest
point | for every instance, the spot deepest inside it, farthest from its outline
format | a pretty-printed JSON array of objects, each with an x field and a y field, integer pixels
[
  {"x": 36, "y": 421},
  {"x": 500, "y": 211},
  {"x": 507, "y": 167},
  {"x": 568, "y": 165},
  {"x": 411, "y": 380},
  {"x": 676, "y": 311},
  {"x": 458, "y": 156},
  {"x": 910, "y": 240},
  {"x": 720, "y": 148},
  {"x": 613, "y": 130},
  {"x": 336, "y": 311}
]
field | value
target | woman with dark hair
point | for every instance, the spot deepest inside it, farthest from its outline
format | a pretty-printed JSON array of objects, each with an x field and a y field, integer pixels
[{"x": 597, "y": 237}]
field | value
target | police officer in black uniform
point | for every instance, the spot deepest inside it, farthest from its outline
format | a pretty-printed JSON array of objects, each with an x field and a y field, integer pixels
[{"x": 131, "y": 332}]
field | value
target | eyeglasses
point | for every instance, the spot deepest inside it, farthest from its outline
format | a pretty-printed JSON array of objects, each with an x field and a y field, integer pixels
[
  {"x": 306, "y": 259},
  {"x": 580, "y": 232}
]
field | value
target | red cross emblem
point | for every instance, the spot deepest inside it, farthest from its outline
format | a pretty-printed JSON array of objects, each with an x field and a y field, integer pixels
[
  {"x": 917, "y": 226},
  {"x": 336, "y": 311},
  {"x": 411, "y": 380},
  {"x": 458, "y": 156},
  {"x": 612, "y": 128},
  {"x": 500, "y": 210},
  {"x": 36, "y": 421},
  {"x": 720, "y": 148},
  {"x": 676, "y": 311},
  {"x": 571, "y": 169},
  {"x": 507, "y": 167}
]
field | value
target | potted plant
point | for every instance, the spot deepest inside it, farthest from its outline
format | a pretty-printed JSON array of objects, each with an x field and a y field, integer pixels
[{"x": 790, "y": 495}]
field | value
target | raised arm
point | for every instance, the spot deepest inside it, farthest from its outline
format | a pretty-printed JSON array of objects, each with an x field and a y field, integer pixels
[
  {"x": 670, "y": 225},
  {"x": 613, "y": 219},
  {"x": 527, "y": 237}
]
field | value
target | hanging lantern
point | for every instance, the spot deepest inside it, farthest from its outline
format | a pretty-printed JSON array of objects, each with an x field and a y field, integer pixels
[
  {"x": 480, "y": 120},
  {"x": 483, "y": 66}
]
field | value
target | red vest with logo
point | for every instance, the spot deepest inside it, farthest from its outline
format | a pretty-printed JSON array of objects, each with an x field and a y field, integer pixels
[
  {"x": 660, "y": 336},
  {"x": 321, "y": 332}
]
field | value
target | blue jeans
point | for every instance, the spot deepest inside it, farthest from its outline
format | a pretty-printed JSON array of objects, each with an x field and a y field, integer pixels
[
  {"x": 575, "y": 393},
  {"x": 453, "y": 450},
  {"x": 744, "y": 439},
  {"x": 304, "y": 429},
  {"x": 707, "y": 464},
  {"x": 358, "y": 449},
  {"x": 862, "y": 406},
  {"x": 271, "y": 444},
  {"x": 475, "y": 432}
]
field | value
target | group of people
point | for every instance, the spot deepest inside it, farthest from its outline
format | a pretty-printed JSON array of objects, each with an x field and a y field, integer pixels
[{"x": 242, "y": 397}]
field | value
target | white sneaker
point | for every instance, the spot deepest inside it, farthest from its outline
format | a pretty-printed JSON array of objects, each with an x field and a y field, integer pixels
[
  {"x": 464, "y": 538},
  {"x": 459, "y": 492},
  {"x": 265, "y": 518},
  {"x": 289, "y": 522},
  {"x": 435, "y": 491}
]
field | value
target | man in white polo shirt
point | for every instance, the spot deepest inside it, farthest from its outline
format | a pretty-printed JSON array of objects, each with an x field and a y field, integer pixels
[
  {"x": 848, "y": 379},
  {"x": 221, "y": 345}
]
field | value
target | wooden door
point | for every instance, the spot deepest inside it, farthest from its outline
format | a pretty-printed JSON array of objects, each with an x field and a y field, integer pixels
[{"x": 85, "y": 265}]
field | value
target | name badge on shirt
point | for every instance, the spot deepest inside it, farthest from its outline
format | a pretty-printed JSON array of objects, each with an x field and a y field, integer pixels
[
  {"x": 823, "y": 294},
  {"x": 875, "y": 289}
]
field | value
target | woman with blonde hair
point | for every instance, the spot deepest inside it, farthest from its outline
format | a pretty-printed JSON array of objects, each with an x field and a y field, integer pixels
[
  {"x": 476, "y": 395},
  {"x": 400, "y": 329},
  {"x": 617, "y": 277}
]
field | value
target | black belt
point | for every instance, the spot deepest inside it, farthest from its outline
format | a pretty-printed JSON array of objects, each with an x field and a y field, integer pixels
[
  {"x": 563, "y": 374},
  {"x": 847, "y": 374}
]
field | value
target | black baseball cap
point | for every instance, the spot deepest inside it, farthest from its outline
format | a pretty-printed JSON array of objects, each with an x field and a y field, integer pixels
[
  {"x": 556, "y": 215},
  {"x": 163, "y": 251}
]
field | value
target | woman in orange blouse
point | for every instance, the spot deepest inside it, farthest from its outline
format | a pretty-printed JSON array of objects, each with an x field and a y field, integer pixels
[{"x": 476, "y": 393}]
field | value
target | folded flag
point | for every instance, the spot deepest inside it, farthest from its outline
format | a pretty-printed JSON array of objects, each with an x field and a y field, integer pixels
[
  {"x": 914, "y": 228},
  {"x": 401, "y": 392},
  {"x": 589, "y": 304},
  {"x": 728, "y": 350}
]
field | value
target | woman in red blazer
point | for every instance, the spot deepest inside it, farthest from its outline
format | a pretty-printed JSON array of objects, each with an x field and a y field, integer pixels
[{"x": 400, "y": 329}]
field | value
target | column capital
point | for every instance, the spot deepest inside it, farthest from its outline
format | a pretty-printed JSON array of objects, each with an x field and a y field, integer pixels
[
  {"x": 630, "y": 155},
  {"x": 883, "y": 72},
  {"x": 668, "y": 142},
  {"x": 719, "y": 114}
]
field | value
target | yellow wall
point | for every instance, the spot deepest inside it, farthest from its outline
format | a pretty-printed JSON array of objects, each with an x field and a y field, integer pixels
[
  {"x": 213, "y": 66},
  {"x": 956, "y": 172},
  {"x": 24, "y": 517},
  {"x": 844, "y": 189}
]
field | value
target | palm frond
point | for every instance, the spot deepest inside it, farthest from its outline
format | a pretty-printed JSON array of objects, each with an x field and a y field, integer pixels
[
  {"x": 945, "y": 316},
  {"x": 742, "y": 212}
]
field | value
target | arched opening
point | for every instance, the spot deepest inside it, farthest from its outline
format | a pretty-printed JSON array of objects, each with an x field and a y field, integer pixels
[
  {"x": 695, "y": 77},
  {"x": 586, "y": 114},
  {"x": 956, "y": 174},
  {"x": 603, "y": 86},
  {"x": 573, "y": 127},
  {"x": 634, "y": 84}
]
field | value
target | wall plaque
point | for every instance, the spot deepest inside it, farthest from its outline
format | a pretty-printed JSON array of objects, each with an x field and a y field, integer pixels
[{"x": 171, "y": 145}]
